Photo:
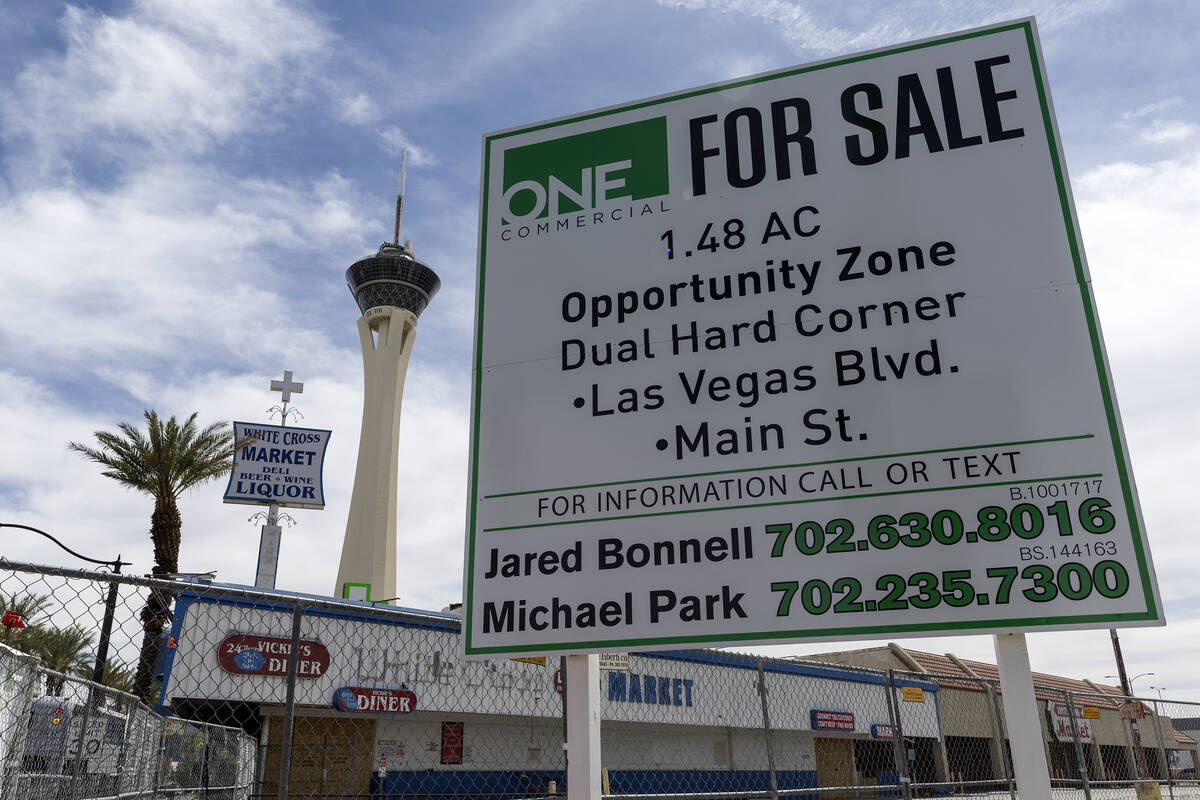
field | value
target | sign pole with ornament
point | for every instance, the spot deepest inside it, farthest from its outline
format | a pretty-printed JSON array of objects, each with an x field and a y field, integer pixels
[
  {"x": 268, "y": 547},
  {"x": 811, "y": 355},
  {"x": 279, "y": 467}
]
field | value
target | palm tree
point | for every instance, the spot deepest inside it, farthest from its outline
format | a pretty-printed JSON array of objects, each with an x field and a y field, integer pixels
[
  {"x": 117, "y": 675},
  {"x": 162, "y": 462},
  {"x": 64, "y": 650}
]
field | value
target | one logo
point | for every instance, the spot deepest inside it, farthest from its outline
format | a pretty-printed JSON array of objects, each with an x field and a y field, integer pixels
[
  {"x": 250, "y": 660},
  {"x": 585, "y": 170}
]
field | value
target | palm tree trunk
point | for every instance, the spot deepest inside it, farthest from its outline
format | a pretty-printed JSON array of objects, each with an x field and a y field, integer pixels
[{"x": 165, "y": 524}]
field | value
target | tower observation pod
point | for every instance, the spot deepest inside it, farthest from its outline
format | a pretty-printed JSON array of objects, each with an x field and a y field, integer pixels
[{"x": 392, "y": 289}]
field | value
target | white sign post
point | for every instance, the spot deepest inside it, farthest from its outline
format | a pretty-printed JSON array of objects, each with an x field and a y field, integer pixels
[{"x": 811, "y": 355}]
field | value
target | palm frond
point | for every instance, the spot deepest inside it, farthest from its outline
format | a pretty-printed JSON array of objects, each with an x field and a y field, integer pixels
[
  {"x": 167, "y": 458},
  {"x": 64, "y": 649}
]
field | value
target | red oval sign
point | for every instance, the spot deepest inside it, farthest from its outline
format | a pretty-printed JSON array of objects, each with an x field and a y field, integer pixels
[
  {"x": 379, "y": 701},
  {"x": 257, "y": 654}
]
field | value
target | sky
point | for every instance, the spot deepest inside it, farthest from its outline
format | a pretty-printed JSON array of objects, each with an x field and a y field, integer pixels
[{"x": 182, "y": 186}]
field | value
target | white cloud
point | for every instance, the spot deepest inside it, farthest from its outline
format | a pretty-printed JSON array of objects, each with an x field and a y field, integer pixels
[
  {"x": 357, "y": 108},
  {"x": 180, "y": 77},
  {"x": 453, "y": 66},
  {"x": 172, "y": 258},
  {"x": 1138, "y": 222},
  {"x": 1151, "y": 125},
  {"x": 862, "y": 29},
  {"x": 395, "y": 140},
  {"x": 1149, "y": 109},
  {"x": 1168, "y": 131}
]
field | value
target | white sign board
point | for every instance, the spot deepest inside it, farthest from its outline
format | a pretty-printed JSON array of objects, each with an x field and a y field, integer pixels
[
  {"x": 807, "y": 355},
  {"x": 282, "y": 466},
  {"x": 1060, "y": 723},
  {"x": 614, "y": 662}
]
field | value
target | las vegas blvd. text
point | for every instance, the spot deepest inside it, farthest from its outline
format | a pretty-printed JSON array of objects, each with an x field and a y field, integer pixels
[{"x": 809, "y": 356}]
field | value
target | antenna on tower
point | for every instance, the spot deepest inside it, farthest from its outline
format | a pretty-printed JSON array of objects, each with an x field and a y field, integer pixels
[{"x": 399, "y": 198}]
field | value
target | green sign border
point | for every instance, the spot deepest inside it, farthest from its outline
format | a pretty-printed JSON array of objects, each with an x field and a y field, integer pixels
[{"x": 1152, "y": 612}]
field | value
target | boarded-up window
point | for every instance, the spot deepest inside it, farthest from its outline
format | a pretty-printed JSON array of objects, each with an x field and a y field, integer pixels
[{"x": 452, "y": 743}]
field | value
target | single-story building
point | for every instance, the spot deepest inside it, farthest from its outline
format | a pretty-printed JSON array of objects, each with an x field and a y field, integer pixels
[
  {"x": 970, "y": 709},
  {"x": 387, "y": 706}
]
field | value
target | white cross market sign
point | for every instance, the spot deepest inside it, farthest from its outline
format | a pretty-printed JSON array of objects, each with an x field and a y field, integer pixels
[{"x": 281, "y": 466}]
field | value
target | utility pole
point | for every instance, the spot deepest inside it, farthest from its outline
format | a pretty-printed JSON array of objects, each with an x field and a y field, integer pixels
[{"x": 1138, "y": 756}]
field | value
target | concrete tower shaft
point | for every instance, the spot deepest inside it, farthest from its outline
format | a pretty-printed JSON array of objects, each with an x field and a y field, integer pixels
[{"x": 392, "y": 289}]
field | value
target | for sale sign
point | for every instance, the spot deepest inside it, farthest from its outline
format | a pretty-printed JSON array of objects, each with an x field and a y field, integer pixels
[{"x": 806, "y": 355}]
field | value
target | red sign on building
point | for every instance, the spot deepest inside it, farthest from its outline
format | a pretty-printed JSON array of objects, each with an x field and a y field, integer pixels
[
  {"x": 452, "y": 743},
  {"x": 256, "y": 654},
  {"x": 883, "y": 731},
  {"x": 380, "y": 701},
  {"x": 831, "y": 720}
]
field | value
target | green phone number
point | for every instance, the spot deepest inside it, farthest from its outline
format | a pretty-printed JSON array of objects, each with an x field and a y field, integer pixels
[
  {"x": 1038, "y": 583},
  {"x": 915, "y": 529}
]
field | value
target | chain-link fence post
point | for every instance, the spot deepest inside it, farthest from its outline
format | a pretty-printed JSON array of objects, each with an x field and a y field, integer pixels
[
  {"x": 562, "y": 696},
  {"x": 77, "y": 766},
  {"x": 1080, "y": 759},
  {"x": 289, "y": 707},
  {"x": 128, "y": 743},
  {"x": 766, "y": 716},
  {"x": 1162, "y": 751},
  {"x": 1002, "y": 737},
  {"x": 156, "y": 775},
  {"x": 898, "y": 750},
  {"x": 260, "y": 759},
  {"x": 23, "y": 671},
  {"x": 205, "y": 762}
]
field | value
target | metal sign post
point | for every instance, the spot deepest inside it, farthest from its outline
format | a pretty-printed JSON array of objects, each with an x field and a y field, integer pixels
[
  {"x": 277, "y": 466},
  {"x": 268, "y": 547},
  {"x": 1021, "y": 714},
  {"x": 583, "y": 727}
]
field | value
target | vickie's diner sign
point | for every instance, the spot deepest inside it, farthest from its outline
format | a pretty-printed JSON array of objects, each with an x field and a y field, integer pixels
[{"x": 259, "y": 654}]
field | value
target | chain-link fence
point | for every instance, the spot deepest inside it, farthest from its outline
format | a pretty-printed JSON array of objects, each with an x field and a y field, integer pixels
[
  {"x": 1107, "y": 745},
  {"x": 276, "y": 695},
  {"x": 65, "y": 737}
]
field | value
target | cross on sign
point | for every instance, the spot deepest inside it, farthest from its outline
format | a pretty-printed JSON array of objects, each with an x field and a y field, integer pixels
[{"x": 287, "y": 386}]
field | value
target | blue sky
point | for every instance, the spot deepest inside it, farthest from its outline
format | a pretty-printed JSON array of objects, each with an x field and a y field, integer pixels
[{"x": 182, "y": 186}]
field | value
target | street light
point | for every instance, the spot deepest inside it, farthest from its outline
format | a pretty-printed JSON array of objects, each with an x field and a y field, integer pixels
[
  {"x": 110, "y": 604},
  {"x": 1129, "y": 688},
  {"x": 1158, "y": 689}
]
